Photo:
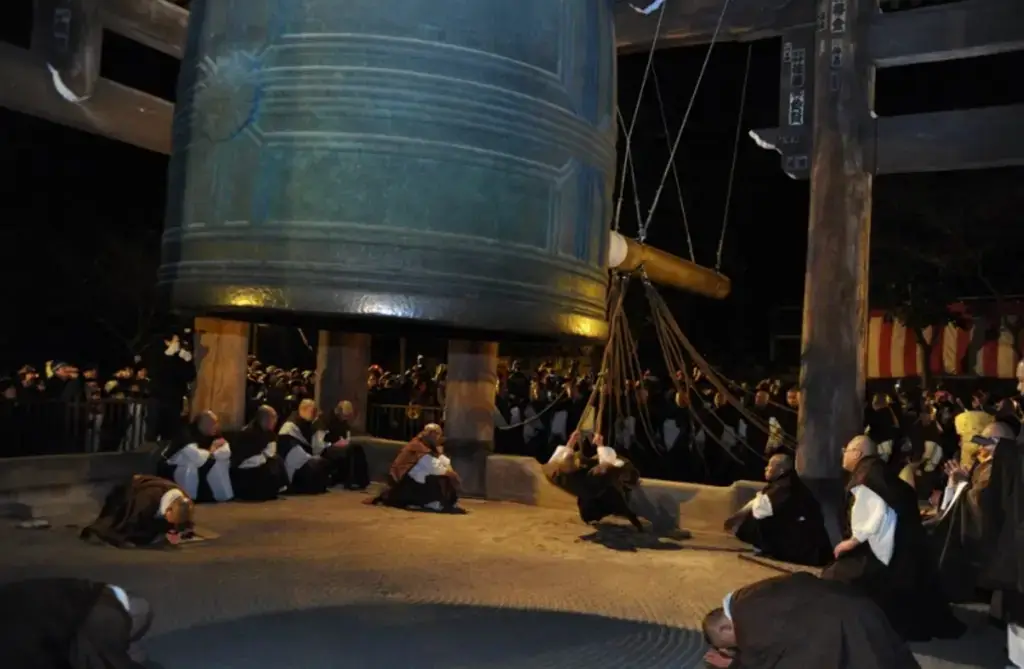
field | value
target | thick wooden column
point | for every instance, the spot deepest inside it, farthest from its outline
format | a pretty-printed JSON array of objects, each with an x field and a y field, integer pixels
[
  {"x": 221, "y": 357},
  {"x": 342, "y": 359},
  {"x": 469, "y": 409},
  {"x": 836, "y": 290}
]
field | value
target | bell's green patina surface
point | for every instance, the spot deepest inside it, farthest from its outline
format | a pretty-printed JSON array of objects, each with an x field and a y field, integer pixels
[{"x": 439, "y": 162}]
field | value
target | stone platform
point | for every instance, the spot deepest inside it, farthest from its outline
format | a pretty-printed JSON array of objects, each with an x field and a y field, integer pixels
[{"x": 328, "y": 582}]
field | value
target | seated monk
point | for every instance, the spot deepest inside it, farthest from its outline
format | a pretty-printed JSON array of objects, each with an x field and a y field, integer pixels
[
  {"x": 145, "y": 511},
  {"x": 347, "y": 460},
  {"x": 799, "y": 621},
  {"x": 300, "y": 444},
  {"x": 422, "y": 476},
  {"x": 71, "y": 623},
  {"x": 257, "y": 474},
  {"x": 199, "y": 461},
  {"x": 783, "y": 521},
  {"x": 600, "y": 481}
]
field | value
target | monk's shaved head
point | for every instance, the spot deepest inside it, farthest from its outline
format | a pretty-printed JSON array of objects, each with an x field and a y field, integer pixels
[
  {"x": 864, "y": 445},
  {"x": 778, "y": 465},
  {"x": 718, "y": 630},
  {"x": 857, "y": 449}
]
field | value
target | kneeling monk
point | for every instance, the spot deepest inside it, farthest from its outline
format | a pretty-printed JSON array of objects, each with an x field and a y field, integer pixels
[
  {"x": 199, "y": 461},
  {"x": 800, "y": 621},
  {"x": 599, "y": 479},
  {"x": 784, "y": 521},
  {"x": 421, "y": 475},
  {"x": 144, "y": 511},
  {"x": 70, "y": 623}
]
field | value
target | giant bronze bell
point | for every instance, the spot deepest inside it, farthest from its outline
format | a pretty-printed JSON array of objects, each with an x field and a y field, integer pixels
[{"x": 436, "y": 162}]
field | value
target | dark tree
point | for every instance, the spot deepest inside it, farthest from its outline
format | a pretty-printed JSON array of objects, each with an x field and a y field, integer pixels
[{"x": 936, "y": 241}]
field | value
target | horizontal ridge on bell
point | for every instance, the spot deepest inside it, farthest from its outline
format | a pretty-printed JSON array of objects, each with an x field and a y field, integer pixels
[{"x": 450, "y": 164}]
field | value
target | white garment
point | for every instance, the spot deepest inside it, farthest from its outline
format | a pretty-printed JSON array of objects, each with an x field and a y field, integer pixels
[
  {"x": 950, "y": 495},
  {"x": 260, "y": 459},
  {"x": 561, "y": 454},
  {"x": 298, "y": 457},
  {"x": 189, "y": 460},
  {"x": 606, "y": 456},
  {"x": 430, "y": 465},
  {"x": 874, "y": 522},
  {"x": 1015, "y": 644},
  {"x": 885, "y": 450},
  {"x": 727, "y": 606},
  {"x": 122, "y": 597},
  {"x": 932, "y": 456},
  {"x": 761, "y": 507}
]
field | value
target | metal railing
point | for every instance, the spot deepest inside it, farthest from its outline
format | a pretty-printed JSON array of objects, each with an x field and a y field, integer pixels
[
  {"x": 400, "y": 421},
  {"x": 51, "y": 427}
]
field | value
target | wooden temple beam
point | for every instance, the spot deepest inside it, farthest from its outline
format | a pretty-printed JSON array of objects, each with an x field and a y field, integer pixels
[
  {"x": 964, "y": 139},
  {"x": 947, "y": 32},
  {"x": 158, "y": 24},
  {"x": 967, "y": 139},
  {"x": 162, "y": 25},
  {"x": 690, "y": 22},
  {"x": 114, "y": 111}
]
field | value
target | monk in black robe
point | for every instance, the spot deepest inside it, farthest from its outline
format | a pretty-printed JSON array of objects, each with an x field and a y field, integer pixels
[
  {"x": 784, "y": 521},
  {"x": 257, "y": 474},
  {"x": 884, "y": 554},
  {"x": 347, "y": 460},
  {"x": 600, "y": 481},
  {"x": 142, "y": 512},
  {"x": 199, "y": 461},
  {"x": 987, "y": 523},
  {"x": 421, "y": 476},
  {"x": 799, "y": 621},
  {"x": 69, "y": 623},
  {"x": 299, "y": 445}
]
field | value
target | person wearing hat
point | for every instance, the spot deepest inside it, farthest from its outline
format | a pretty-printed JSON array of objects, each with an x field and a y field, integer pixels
[{"x": 71, "y": 623}]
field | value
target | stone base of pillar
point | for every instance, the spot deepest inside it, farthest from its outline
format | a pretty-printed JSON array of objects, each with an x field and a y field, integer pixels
[
  {"x": 341, "y": 363},
  {"x": 469, "y": 410},
  {"x": 221, "y": 353}
]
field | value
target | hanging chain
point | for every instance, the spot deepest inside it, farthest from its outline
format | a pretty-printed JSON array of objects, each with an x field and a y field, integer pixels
[
  {"x": 735, "y": 156},
  {"x": 636, "y": 114},
  {"x": 689, "y": 108}
]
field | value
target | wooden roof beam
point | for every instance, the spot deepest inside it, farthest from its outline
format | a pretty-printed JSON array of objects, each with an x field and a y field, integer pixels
[
  {"x": 947, "y": 32},
  {"x": 162, "y": 25},
  {"x": 158, "y": 24},
  {"x": 113, "y": 111},
  {"x": 965, "y": 139}
]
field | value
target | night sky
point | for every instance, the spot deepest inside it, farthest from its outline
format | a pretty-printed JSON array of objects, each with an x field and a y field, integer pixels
[{"x": 83, "y": 214}]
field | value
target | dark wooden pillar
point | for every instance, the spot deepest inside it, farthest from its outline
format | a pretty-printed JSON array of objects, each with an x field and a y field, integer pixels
[
  {"x": 836, "y": 290},
  {"x": 221, "y": 358},
  {"x": 342, "y": 359},
  {"x": 469, "y": 409}
]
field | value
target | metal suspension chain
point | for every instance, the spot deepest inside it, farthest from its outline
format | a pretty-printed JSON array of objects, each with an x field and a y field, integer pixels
[
  {"x": 686, "y": 116},
  {"x": 636, "y": 114},
  {"x": 675, "y": 170},
  {"x": 735, "y": 156}
]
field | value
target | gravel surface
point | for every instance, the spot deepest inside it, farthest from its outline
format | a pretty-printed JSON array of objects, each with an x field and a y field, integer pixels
[{"x": 328, "y": 582}]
